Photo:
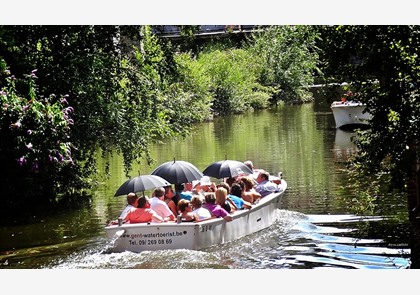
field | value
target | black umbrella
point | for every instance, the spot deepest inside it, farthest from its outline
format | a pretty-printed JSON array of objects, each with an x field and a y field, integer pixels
[
  {"x": 226, "y": 168},
  {"x": 178, "y": 172},
  {"x": 141, "y": 183}
]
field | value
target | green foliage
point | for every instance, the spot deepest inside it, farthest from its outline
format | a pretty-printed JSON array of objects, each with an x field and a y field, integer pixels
[
  {"x": 372, "y": 194},
  {"x": 119, "y": 81},
  {"x": 3, "y": 65},
  {"x": 288, "y": 57},
  {"x": 382, "y": 64},
  {"x": 234, "y": 86},
  {"x": 124, "y": 88},
  {"x": 189, "y": 31},
  {"x": 156, "y": 99},
  {"x": 35, "y": 148},
  {"x": 190, "y": 96}
]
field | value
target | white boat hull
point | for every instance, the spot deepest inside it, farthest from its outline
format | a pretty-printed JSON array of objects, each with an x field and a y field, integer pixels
[
  {"x": 194, "y": 236},
  {"x": 349, "y": 113}
]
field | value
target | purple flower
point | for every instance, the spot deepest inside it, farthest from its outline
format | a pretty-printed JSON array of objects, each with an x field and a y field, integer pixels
[
  {"x": 29, "y": 146},
  {"x": 68, "y": 110},
  {"x": 29, "y": 131},
  {"x": 60, "y": 156},
  {"x": 22, "y": 161},
  {"x": 33, "y": 75}
]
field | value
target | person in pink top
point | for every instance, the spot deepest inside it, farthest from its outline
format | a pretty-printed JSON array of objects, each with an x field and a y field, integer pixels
[
  {"x": 143, "y": 213},
  {"x": 215, "y": 210},
  {"x": 159, "y": 206}
]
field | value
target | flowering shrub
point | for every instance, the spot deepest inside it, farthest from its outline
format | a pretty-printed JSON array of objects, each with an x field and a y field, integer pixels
[{"x": 35, "y": 146}]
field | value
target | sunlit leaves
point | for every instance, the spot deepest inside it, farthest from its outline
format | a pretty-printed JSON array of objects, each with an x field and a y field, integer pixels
[
  {"x": 234, "y": 77},
  {"x": 289, "y": 59}
]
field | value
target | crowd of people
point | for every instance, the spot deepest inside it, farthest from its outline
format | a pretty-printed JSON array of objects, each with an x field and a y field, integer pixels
[{"x": 193, "y": 202}]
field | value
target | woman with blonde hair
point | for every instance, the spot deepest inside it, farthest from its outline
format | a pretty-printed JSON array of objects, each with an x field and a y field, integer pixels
[{"x": 223, "y": 200}]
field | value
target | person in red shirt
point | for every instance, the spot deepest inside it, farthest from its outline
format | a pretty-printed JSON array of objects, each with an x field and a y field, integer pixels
[{"x": 143, "y": 213}]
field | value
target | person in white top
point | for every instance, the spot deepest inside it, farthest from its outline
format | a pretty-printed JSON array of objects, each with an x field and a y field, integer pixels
[
  {"x": 159, "y": 206},
  {"x": 197, "y": 202},
  {"x": 132, "y": 201}
]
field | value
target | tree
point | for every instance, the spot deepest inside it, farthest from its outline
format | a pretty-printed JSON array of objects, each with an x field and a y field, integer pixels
[
  {"x": 382, "y": 64},
  {"x": 289, "y": 59},
  {"x": 115, "y": 79},
  {"x": 36, "y": 151}
]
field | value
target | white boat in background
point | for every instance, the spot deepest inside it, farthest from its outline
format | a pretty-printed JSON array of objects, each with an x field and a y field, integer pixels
[
  {"x": 350, "y": 113},
  {"x": 140, "y": 237}
]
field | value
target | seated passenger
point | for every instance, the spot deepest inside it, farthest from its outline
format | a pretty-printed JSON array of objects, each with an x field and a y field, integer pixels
[
  {"x": 215, "y": 209},
  {"x": 170, "y": 199},
  {"x": 223, "y": 200},
  {"x": 142, "y": 213},
  {"x": 158, "y": 205},
  {"x": 229, "y": 181},
  {"x": 188, "y": 187},
  {"x": 255, "y": 172},
  {"x": 225, "y": 185},
  {"x": 185, "y": 208},
  {"x": 235, "y": 195},
  {"x": 181, "y": 193},
  {"x": 196, "y": 203},
  {"x": 132, "y": 201},
  {"x": 249, "y": 193},
  {"x": 265, "y": 186},
  {"x": 205, "y": 185}
]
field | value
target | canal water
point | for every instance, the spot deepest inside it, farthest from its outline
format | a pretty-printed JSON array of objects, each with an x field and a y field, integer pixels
[{"x": 319, "y": 226}]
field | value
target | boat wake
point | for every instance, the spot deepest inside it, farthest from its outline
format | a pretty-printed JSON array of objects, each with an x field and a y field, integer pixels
[
  {"x": 294, "y": 241},
  {"x": 321, "y": 241}
]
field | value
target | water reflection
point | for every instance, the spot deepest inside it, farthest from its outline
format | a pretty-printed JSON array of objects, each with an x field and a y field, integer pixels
[
  {"x": 344, "y": 147},
  {"x": 316, "y": 228}
]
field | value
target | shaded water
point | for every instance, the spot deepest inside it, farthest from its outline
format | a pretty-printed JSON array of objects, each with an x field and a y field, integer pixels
[{"x": 318, "y": 225}]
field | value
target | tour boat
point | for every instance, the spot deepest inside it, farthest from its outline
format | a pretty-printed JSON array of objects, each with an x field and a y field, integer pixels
[
  {"x": 350, "y": 113},
  {"x": 138, "y": 237}
]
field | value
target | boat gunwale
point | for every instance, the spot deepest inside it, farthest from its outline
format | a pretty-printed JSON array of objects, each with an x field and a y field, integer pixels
[
  {"x": 347, "y": 105},
  {"x": 235, "y": 215}
]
